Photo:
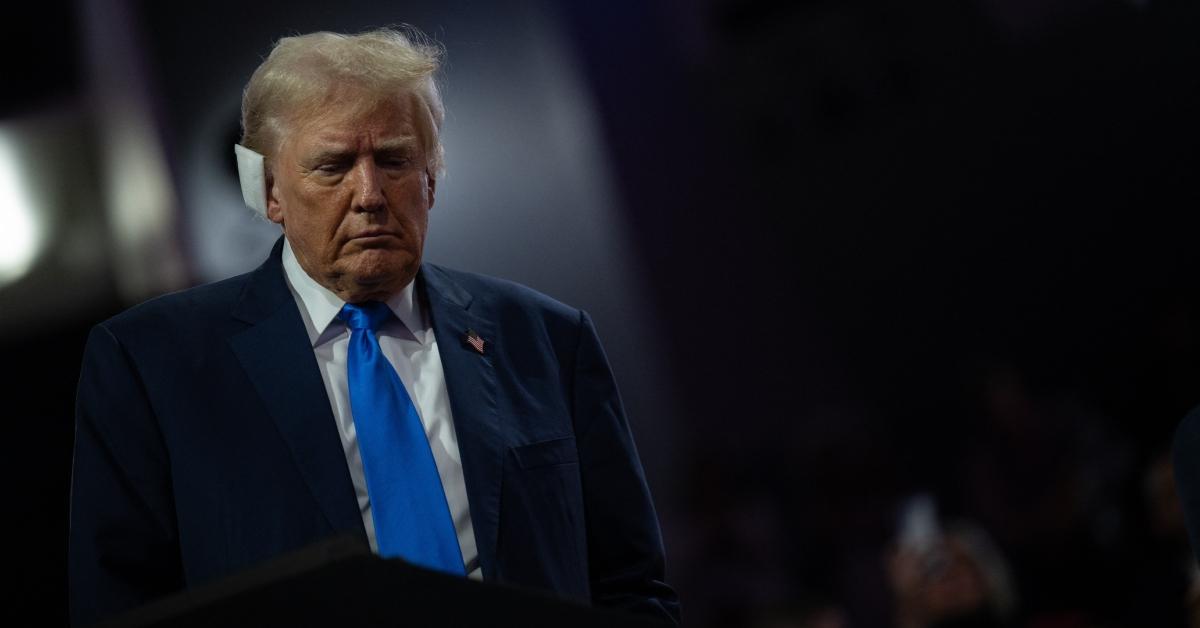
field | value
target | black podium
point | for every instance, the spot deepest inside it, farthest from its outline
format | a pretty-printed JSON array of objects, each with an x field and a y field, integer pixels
[{"x": 340, "y": 583}]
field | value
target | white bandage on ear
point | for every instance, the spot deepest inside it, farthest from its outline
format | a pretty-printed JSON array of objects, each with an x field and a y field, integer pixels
[{"x": 253, "y": 177}]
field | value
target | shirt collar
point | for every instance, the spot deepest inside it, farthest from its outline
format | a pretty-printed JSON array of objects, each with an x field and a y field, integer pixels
[{"x": 319, "y": 306}]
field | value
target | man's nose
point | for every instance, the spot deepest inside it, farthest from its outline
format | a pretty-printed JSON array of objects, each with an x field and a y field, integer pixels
[{"x": 368, "y": 187}]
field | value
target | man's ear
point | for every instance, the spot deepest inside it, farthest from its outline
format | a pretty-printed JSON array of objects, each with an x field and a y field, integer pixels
[{"x": 274, "y": 208}]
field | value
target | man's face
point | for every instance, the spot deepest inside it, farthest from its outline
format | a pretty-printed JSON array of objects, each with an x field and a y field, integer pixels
[{"x": 352, "y": 191}]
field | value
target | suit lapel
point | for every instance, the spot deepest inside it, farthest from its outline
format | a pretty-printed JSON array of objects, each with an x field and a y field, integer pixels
[
  {"x": 471, "y": 386},
  {"x": 277, "y": 357}
]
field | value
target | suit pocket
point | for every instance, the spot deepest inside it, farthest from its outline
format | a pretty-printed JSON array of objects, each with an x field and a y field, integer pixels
[
  {"x": 546, "y": 453},
  {"x": 543, "y": 537}
]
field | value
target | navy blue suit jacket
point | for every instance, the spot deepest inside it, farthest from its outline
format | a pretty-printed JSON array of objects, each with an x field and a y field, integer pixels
[{"x": 205, "y": 443}]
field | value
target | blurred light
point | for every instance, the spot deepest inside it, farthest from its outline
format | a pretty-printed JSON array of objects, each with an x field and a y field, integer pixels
[
  {"x": 20, "y": 231},
  {"x": 140, "y": 193}
]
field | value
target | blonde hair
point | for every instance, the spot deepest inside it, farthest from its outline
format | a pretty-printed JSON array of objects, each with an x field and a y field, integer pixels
[{"x": 304, "y": 72}]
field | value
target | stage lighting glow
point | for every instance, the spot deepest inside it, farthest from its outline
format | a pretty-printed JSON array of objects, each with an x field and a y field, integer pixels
[{"x": 20, "y": 229}]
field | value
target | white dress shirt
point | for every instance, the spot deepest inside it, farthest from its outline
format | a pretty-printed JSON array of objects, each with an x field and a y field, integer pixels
[{"x": 409, "y": 345}]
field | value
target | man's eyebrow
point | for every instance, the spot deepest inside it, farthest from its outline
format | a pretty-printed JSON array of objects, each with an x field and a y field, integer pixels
[
  {"x": 400, "y": 144},
  {"x": 322, "y": 155},
  {"x": 390, "y": 146}
]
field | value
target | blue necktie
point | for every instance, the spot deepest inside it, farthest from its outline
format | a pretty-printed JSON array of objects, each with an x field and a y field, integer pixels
[{"x": 408, "y": 505}]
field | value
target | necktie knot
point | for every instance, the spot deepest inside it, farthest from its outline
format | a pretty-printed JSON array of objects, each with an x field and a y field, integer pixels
[{"x": 366, "y": 315}]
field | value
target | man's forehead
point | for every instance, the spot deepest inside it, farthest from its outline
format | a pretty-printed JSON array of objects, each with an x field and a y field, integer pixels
[{"x": 353, "y": 120}]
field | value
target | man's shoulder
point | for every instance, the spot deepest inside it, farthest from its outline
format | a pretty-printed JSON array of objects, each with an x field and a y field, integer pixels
[
  {"x": 192, "y": 309},
  {"x": 501, "y": 295}
]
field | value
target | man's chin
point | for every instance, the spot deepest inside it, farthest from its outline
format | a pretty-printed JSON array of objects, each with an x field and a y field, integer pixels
[{"x": 381, "y": 273}]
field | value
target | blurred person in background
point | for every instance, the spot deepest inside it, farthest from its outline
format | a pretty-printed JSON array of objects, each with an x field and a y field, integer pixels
[
  {"x": 226, "y": 424},
  {"x": 1042, "y": 471},
  {"x": 952, "y": 579}
]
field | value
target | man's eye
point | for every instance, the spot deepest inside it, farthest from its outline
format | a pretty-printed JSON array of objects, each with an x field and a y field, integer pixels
[
  {"x": 330, "y": 168},
  {"x": 394, "y": 162}
]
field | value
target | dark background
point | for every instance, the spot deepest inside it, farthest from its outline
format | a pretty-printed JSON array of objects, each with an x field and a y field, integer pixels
[{"x": 872, "y": 250}]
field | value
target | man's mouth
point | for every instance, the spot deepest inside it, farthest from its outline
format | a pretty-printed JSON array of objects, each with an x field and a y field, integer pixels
[{"x": 371, "y": 234}]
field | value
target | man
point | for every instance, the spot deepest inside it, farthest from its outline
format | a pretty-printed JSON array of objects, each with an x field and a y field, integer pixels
[{"x": 463, "y": 423}]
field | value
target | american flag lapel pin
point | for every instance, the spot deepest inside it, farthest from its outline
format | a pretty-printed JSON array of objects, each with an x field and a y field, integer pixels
[{"x": 475, "y": 341}]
